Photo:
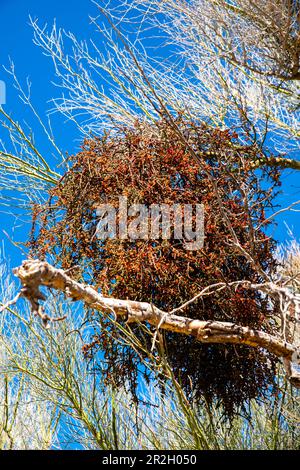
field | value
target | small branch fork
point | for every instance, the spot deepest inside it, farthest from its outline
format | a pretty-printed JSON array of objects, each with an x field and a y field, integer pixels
[{"x": 34, "y": 273}]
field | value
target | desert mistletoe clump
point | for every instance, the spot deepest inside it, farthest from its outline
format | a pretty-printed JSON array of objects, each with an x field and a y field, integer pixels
[{"x": 156, "y": 164}]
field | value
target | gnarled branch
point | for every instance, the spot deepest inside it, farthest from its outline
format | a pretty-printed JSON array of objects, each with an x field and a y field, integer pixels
[{"x": 34, "y": 273}]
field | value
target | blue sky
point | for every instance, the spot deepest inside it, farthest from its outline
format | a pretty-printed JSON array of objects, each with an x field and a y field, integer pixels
[{"x": 16, "y": 43}]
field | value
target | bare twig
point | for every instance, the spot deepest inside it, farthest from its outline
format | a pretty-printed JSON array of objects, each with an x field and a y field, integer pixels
[{"x": 11, "y": 302}]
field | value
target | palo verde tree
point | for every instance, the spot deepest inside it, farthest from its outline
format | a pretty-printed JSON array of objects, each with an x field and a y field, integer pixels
[{"x": 194, "y": 124}]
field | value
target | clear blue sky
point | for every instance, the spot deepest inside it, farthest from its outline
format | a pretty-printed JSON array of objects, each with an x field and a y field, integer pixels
[{"x": 16, "y": 43}]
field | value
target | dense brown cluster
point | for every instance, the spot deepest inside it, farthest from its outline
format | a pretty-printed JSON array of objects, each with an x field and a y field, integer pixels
[{"x": 155, "y": 165}]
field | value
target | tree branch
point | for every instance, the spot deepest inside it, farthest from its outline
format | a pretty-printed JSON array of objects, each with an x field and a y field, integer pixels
[
  {"x": 278, "y": 162},
  {"x": 34, "y": 273}
]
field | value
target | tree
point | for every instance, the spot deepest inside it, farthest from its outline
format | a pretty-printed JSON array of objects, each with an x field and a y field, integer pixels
[{"x": 219, "y": 119}]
